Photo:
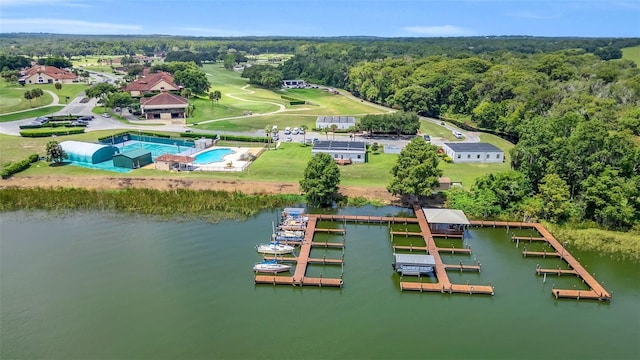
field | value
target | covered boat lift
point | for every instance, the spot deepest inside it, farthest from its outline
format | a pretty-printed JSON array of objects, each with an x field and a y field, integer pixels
[
  {"x": 413, "y": 264},
  {"x": 446, "y": 221}
]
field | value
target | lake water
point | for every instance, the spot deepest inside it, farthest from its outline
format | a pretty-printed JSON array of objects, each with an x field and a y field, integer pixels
[{"x": 97, "y": 285}]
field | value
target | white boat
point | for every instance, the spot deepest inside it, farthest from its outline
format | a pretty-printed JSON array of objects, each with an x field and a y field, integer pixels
[
  {"x": 275, "y": 248},
  {"x": 271, "y": 266},
  {"x": 290, "y": 235}
]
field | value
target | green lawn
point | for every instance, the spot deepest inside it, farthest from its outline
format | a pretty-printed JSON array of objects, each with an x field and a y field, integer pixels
[
  {"x": 632, "y": 53},
  {"x": 12, "y": 95},
  {"x": 259, "y": 101},
  {"x": 468, "y": 172},
  {"x": 431, "y": 129},
  {"x": 31, "y": 113},
  {"x": 12, "y": 98}
]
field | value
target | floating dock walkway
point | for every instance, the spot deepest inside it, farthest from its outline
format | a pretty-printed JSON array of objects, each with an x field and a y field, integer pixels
[{"x": 596, "y": 292}]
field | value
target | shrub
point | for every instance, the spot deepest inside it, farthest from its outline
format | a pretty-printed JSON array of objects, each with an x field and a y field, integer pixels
[
  {"x": 46, "y": 132},
  {"x": 448, "y": 159},
  {"x": 16, "y": 167},
  {"x": 193, "y": 135}
]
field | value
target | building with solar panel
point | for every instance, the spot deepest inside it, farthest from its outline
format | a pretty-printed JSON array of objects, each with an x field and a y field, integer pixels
[{"x": 344, "y": 152}]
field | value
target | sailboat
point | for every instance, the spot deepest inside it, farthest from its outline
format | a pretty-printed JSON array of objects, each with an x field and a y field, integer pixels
[
  {"x": 275, "y": 248},
  {"x": 271, "y": 266}
]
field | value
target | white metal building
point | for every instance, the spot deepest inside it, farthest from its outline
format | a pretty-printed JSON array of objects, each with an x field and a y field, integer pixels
[
  {"x": 342, "y": 122},
  {"x": 473, "y": 152},
  {"x": 343, "y": 152}
]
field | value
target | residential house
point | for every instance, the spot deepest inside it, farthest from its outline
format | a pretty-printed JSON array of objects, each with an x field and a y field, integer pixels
[{"x": 46, "y": 74}]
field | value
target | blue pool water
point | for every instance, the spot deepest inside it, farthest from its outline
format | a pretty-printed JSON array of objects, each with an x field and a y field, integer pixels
[
  {"x": 155, "y": 149},
  {"x": 211, "y": 156}
]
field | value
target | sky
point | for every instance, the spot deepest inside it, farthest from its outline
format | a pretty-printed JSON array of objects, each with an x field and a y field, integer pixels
[{"x": 314, "y": 18}]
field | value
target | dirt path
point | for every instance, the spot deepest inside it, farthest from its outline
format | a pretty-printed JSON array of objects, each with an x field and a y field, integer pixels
[{"x": 247, "y": 187}]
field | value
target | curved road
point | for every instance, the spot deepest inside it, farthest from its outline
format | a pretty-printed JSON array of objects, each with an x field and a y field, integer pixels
[{"x": 76, "y": 107}]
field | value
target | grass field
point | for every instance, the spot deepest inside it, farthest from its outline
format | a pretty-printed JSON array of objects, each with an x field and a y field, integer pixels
[
  {"x": 431, "y": 129},
  {"x": 31, "y": 113},
  {"x": 632, "y": 53},
  {"x": 236, "y": 101},
  {"x": 12, "y": 96}
]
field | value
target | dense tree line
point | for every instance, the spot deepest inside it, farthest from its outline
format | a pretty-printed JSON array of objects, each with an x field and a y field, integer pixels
[
  {"x": 11, "y": 62},
  {"x": 264, "y": 75},
  {"x": 393, "y": 123}
]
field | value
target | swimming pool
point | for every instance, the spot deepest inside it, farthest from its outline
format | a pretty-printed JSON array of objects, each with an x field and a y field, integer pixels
[
  {"x": 211, "y": 156},
  {"x": 156, "y": 150}
]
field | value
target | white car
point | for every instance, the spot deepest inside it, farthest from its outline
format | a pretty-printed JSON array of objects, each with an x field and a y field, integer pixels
[{"x": 457, "y": 134}]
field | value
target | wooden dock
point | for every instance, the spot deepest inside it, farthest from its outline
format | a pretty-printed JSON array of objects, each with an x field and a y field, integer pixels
[
  {"x": 527, "y": 238},
  {"x": 331, "y": 231},
  {"x": 443, "y": 285},
  {"x": 597, "y": 292},
  {"x": 367, "y": 219},
  {"x": 325, "y": 244},
  {"x": 302, "y": 260},
  {"x": 450, "y": 289},
  {"x": 556, "y": 272},
  {"x": 543, "y": 254}
]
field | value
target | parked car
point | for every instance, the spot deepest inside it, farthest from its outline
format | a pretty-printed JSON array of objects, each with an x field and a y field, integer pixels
[
  {"x": 457, "y": 134},
  {"x": 295, "y": 131},
  {"x": 85, "y": 118},
  {"x": 287, "y": 131},
  {"x": 288, "y": 139},
  {"x": 276, "y": 137},
  {"x": 107, "y": 115},
  {"x": 427, "y": 137},
  {"x": 301, "y": 131}
]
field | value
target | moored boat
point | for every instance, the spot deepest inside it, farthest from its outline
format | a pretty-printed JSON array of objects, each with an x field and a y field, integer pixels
[
  {"x": 271, "y": 266},
  {"x": 290, "y": 235},
  {"x": 275, "y": 248}
]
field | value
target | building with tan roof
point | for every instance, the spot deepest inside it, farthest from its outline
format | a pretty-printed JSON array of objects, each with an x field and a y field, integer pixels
[
  {"x": 46, "y": 74},
  {"x": 160, "y": 81},
  {"x": 164, "y": 106}
]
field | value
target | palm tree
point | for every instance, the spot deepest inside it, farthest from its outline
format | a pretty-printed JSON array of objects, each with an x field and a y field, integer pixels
[
  {"x": 334, "y": 127},
  {"x": 217, "y": 95},
  {"x": 267, "y": 133},
  {"x": 304, "y": 127}
]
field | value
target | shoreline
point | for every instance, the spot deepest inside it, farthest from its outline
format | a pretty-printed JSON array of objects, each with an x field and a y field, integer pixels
[{"x": 250, "y": 187}]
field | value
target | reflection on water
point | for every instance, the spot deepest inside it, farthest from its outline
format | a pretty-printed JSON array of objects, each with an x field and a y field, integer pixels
[{"x": 96, "y": 285}]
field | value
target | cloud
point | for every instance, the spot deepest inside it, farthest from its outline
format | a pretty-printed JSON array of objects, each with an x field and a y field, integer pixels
[
  {"x": 442, "y": 30},
  {"x": 533, "y": 15},
  {"x": 64, "y": 26}
]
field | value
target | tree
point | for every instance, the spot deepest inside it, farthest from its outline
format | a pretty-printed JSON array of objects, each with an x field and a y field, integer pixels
[
  {"x": 28, "y": 96},
  {"x": 119, "y": 100},
  {"x": 416, "y": 171},
  {"x": 55, "y": 153},
  {"x": 304, "y": 128},
  {"x": 321, "y": 179},
  {"x": 211, "y": 96},
  {"x": 334, "y": 127},
  {"x": 36, "y": 93},
  {"x": 217, "y": 95},
  {"x": 554, "y": 195},
  {"x": 194, "y": 79},
  {"x": 58, "y": 86},
  {"x": 100, "y": 90},
  {"x": 186, "y": 93}
]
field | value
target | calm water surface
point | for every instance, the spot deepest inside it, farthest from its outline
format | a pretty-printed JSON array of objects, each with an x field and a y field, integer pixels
[{"x": 95, "y": 285}]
